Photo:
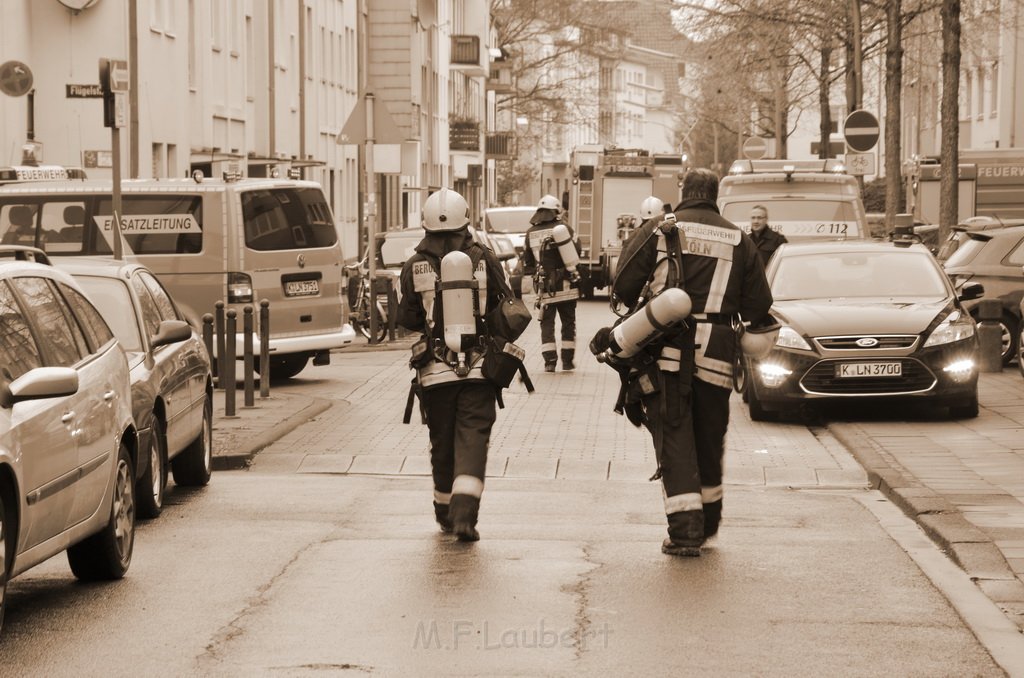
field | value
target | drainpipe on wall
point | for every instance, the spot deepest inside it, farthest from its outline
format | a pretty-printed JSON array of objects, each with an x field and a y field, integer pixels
[{"x": 271, "y": 93}]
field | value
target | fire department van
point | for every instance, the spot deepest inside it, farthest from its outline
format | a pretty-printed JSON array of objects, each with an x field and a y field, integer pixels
[
  {"x": 233, "y": 240},
  {"x": 607, "y": 187},
  {"x": 805, "y": 199}
]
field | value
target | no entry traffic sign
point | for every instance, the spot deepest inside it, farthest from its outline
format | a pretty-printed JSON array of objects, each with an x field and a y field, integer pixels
[
  {"x": 754, "y": 148},
  {"x": 861, "y": 131}
]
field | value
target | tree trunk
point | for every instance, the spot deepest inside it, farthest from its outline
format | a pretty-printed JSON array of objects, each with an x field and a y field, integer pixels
[
  {"x": 825, "y": 131},
  {"x": 848, "y": 69},
  {"x": 893, "y": 91},
  {"x": 949, "y": 152}
]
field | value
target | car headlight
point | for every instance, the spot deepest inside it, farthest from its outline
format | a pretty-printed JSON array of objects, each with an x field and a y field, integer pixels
[
  {"x": 788, "y": 338},
  {"x": 953, "y": 328}
]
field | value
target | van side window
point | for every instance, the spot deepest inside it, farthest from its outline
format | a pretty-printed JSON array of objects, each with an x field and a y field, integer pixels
[
  {"x": 287, "y": 219},
  {"x": 63, "y": 226},
  {"x": 160, "y": 224}
]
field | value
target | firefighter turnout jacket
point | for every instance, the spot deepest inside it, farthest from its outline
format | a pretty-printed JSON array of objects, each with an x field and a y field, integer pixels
[
  {"x": 541, "y": 255},
  {"x": 420, "y": 309},
  {"x": 722, "y": 272}
]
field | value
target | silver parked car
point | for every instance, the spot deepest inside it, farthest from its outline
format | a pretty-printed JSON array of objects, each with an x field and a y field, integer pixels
[{"x": 68, "y": 446}]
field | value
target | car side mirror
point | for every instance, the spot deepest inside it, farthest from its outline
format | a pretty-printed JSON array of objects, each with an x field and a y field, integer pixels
[
  {"x": 42, "y": 382},
  {"x": 170, "y": 332},
  {"x": 971, "y": 291}
]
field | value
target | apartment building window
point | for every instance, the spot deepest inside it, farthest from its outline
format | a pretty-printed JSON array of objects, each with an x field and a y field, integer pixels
[
  {"x": 216, "y": 26},
  {"x": 158, "y": 161},
  {"x": 993, "y": 106},
  {"x": 234, "y": 26},
  {"x": 172, "y": 160},
  {"x": 250, "y": 70}
]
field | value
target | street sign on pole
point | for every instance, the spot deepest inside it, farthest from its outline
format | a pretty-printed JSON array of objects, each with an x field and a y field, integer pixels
[
  {"x": 859, "y": 164},
  {"x": 861, "y": 131},
  {"x": 755, "y": 148},
  {"x": 15, "y": 78}
]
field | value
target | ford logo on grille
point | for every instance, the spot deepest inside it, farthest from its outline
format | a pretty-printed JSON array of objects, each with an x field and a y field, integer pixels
[{"x": 867, "y": 342}]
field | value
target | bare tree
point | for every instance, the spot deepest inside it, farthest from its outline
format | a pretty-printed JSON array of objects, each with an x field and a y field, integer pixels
[
  {"x": 948, "y": 206},
  {"x": 893, "y": 94}
]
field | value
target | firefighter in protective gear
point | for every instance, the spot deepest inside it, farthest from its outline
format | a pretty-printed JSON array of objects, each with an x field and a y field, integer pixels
[
  {"x": 445, "y": 297},
  {"x": 679, "y": 385},
  {"x": 553, "y": 280}
]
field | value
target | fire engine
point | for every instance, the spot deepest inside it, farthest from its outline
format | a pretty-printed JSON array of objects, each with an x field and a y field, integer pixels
[{"x": 607, "y": 187}]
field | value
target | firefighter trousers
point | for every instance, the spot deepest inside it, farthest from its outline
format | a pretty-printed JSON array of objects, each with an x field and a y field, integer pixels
[
  {"x": 566, "y": 312},
  {"x": 710, "y": 423},
  {"x": 459, "y": 417},
  {"x": 670, "y": 419}
]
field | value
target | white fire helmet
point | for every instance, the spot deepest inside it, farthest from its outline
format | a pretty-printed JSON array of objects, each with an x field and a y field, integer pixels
[
  {"x": 651, "y": 207},
  {"x": 549, "y": 202},
  {"x": 445, "y": 210},
  {"x": 758, "y": 342}
]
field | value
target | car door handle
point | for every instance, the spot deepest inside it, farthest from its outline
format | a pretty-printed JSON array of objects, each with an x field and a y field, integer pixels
[
  {"x": 109, "y": 395},
  {"x": 68, "y": 417}
]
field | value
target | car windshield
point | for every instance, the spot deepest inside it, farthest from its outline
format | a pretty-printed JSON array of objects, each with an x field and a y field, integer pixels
[
  {"x": 857, "y": 274},
  {"x": 508, "y": 221},
  {"x": 800, "y": 219},
  {"x": 115, "y": 305},
  {"x": 964, "y": 253}
]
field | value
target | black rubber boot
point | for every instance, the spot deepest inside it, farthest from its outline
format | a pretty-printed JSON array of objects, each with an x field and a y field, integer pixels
[
  {"x": 686, "y": 534},
  {"x": 441, "y": 515},
  {"x": 567, "y": 360},
  {"x": 712, "y": 518},
  {"x": 550, "y": 360},
  {"x": 463, "y": 512},
  {"x": 670, "y": 548}
]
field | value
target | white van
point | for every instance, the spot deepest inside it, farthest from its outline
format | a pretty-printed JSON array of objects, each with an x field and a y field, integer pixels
[
  {"x": 805, "y": 199},
  {"x": 208, "y": 240}
]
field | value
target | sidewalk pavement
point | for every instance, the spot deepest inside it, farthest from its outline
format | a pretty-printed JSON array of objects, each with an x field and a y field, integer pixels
[{"x": 962, "y": 481}]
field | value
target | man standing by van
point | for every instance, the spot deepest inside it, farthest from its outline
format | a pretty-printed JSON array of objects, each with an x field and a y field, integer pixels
[{"x": 764, "y": 236}]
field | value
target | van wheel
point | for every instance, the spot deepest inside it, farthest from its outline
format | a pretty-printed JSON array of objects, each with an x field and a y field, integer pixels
[
  {"x": 1009, "y": 327},
  {"x": 108, "y": 553},
  {"x": 287, "y": 366}
]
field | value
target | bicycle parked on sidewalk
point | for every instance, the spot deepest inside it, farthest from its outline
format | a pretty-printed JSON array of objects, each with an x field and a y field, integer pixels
[{"x": 360, "y": 301}]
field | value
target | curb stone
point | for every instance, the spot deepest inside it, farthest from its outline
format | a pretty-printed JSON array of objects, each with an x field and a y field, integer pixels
[{"x": 249, "y": 446}]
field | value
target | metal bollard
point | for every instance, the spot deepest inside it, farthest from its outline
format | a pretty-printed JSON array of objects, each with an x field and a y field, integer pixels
[
  {"x": 264, "y": 348},
  {"x": 247, "y": 357},
  {"x": 990, "y": 335},
  {"x": 392, "y": 309},
  {"x": 208, "y": 340},
  {"x": 218, "y": 325},
  {"x": 229, "y": 365}
]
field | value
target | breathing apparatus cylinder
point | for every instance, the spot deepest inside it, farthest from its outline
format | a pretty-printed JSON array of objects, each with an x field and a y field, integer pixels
[
  {"x": 458, "y": 287},
  {"x": 562, "y": 239},
  {"x": 658, "y": 316},
  {"x": 758, "y": 342}
]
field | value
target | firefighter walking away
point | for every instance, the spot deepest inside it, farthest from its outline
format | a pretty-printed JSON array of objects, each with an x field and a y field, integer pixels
[
  {"x": 551, "y": 256},
  {"x": 691, "y": 281},
  {"x": 448, "y": 287}
]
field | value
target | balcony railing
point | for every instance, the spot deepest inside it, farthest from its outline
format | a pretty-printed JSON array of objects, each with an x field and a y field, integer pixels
[
  {"x": 464, "y": 135},
  {"x": 501, "y": 145}
]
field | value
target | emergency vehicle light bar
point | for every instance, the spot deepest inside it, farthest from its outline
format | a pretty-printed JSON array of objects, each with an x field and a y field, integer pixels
[{"x": 790, "y": 167}]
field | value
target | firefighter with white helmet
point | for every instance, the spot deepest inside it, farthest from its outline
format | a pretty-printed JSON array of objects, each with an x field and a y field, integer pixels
[
  {"x": 548, "y": 257},
  {"x": 652, "y": 207},
  {"x": 679, "y": 381},
  {"x": 447, "y": 287}
]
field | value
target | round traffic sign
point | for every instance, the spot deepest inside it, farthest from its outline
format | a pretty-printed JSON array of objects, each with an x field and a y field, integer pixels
[
  {"x": 754, "y": 148},
  {"x": 861, "y": 131},
  {"x": 15, "y": 78}
]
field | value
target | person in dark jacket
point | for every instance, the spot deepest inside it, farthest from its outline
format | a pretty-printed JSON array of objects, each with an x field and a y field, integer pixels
[
  {"x": 554, "y": 284},
  {"x": 680, "y": 386},
  {"x": 459, "y": 403},
  {"x": 764, "y": 236}
]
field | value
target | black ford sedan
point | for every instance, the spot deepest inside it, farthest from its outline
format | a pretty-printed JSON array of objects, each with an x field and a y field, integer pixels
[{"x": 865, "y": 320}]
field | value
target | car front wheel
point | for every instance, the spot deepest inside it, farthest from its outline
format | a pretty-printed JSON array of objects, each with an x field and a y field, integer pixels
[
  {"x": 4, "y": 560},
  {"x": 108, "y": 553}
]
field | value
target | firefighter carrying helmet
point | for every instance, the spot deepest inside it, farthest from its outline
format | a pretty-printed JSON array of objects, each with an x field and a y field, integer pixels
[
  {"x": 757, "y": 341},
  {"x": 445, "y": 210},
  {"x": 651, "y": 207},
  {"x": 549, "y": 202}
]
